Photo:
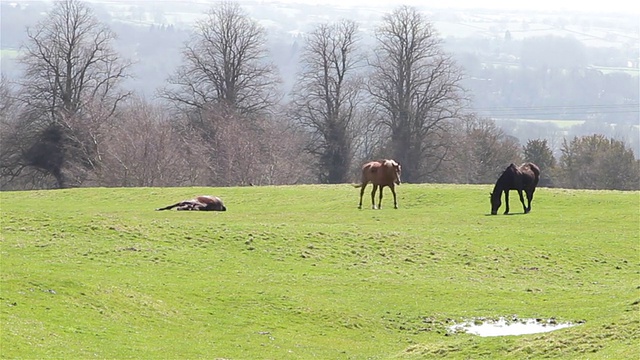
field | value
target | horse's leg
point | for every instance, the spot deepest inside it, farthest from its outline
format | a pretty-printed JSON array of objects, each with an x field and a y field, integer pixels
[
  {"x": 373, "y": 195},
  {"x": 524, "y": 207},
  {"x": 364, "y": 185},
  {"x": 530, "y": 199},
  {"x": 393, "y": 191},
  {"x": 168, "y": 207},
  {"x": 188, "y": 205},
  {"x": 506, "y": 201},
  {"x": 380, "y": 200}
]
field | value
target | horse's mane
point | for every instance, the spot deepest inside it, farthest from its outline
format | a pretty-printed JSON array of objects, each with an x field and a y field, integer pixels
[{"x": 389, "y": 163}]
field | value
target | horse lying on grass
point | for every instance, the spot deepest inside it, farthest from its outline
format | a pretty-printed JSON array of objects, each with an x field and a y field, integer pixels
[
  {"x": 524, "y": 177},
  {"x": 201, "y": 203},
  {"x": 380, "y": 173}
]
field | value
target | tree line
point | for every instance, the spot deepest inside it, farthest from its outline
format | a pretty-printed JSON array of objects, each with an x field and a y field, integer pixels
[{"x": 220, "y": 119}]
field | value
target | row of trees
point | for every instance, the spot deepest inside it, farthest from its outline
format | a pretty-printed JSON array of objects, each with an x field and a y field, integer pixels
[{"x": 222, "y": 120}]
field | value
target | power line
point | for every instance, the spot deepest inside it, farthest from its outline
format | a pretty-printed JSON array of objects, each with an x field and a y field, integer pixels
[{"x": 562, "y": 110}]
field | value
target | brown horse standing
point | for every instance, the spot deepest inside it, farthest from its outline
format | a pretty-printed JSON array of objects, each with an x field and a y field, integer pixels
[
  {"x": 380, "y": 173},
  {"x": 524, "y": 177},
  {"x": 201, "y": 203}
]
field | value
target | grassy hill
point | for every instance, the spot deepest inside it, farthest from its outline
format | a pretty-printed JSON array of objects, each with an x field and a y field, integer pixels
[{"x": 297, "y": 272}]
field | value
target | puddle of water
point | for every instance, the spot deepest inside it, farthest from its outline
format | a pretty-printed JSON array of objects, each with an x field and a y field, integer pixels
[{"x": 504, "y": 327}]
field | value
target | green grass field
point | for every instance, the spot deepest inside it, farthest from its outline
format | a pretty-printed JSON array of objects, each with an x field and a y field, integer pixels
[{"x": 298, "y": 272}]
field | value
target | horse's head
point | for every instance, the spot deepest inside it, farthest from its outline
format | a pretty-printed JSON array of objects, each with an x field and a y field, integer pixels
[
  {"x": 397, "y": 169},
  {"x": 398, "y": 173},
  {"x": 496, "y": 201},
  {"x": 218, "y": 205}
]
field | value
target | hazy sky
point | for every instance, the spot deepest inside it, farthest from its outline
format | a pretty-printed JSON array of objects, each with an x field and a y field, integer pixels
[
  {"x": 550, "y": 5},
  {"x": 619, "y": 6},
  {"x": 625, "y": 6}
]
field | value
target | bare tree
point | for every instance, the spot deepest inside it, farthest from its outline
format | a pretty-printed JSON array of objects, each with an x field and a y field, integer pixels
[
  {"x": 146, "y": 150},
  {"x": 266, "y": 152},
  {"x": 11, "y": 163},
  {"x": 223, "y": 91},
  {"x": 370, "y": 142},
  {"x": 287, "y": 162},
  {"x": 416, "y": 88},
  {"x": 7, "y": 100},
  {"x": 224, "y": 65},
  {"x": 70, "y": 91},
  {"x": 27, "y": 160},
  {"x": 481, "y": 153},
  {"x": 327, "y": 95}
]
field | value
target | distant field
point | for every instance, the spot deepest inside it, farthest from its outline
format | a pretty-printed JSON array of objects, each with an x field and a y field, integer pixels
[
  {"x": 612, "y": 69},
  {"x": 561, "y": 124},
  {"x": 9, "y": 53},
  {"x": 298, "y": 272}
]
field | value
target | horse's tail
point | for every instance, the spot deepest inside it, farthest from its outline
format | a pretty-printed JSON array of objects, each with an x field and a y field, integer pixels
[
  {"x": 168, "y": 207},
  {"x": 356, "y": 185}
]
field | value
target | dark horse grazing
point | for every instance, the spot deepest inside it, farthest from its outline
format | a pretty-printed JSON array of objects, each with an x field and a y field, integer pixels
[
  {"x": 524, "y": 177},
  {"x": 202, "y": 203},
  {"x": 380, "y": 173}
]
